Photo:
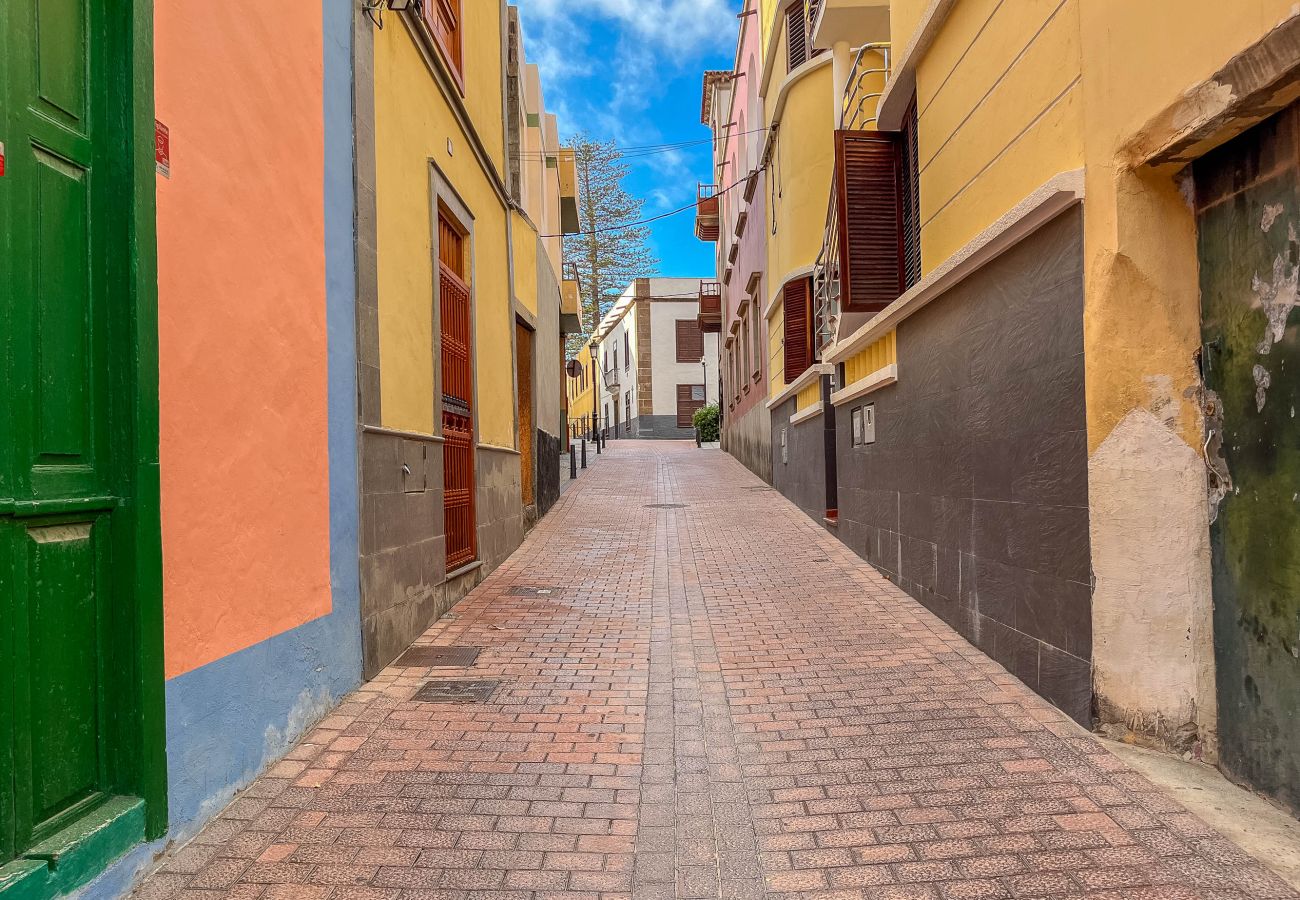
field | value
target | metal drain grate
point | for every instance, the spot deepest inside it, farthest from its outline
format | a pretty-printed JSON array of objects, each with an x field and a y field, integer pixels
[
  {"x": 534, "y": 591},
  {"x": 458, "y": 657},
  {"x": 666, "y": 505},
  {"x": 456, "y": 691}
]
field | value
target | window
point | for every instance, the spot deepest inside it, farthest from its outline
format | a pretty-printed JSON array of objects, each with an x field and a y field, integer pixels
[
  {"x": 627, "y": 407},
  {"x": 798, "y": 330},
  {"x": 690, "y": 341},
  {"x": 444, "y": 20},
  {"x": 690, "y": 397},
  {"x": 796, "y": 33},
  {"x": 745, "y": 325},
  {"x": 627, "y": 352},
  {"x": 910, "y": 184},
  {"x": 615, "y": 359},
  {"x": 757, "y": 329}
]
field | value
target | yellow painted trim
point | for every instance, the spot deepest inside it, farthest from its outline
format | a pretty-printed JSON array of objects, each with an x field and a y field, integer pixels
[
  {"x": 809, "y": 396},
  {"x": 871, "y": 359},
  {"x": 812, "y": 373}
]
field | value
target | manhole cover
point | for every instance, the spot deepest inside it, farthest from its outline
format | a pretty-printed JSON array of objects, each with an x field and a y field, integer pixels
[
  {"x": 459, "y": 657},
  {"x": 456, "y": 691},
  {"x": 533, "y": 591},
  {"x": 665, "y": 505}
]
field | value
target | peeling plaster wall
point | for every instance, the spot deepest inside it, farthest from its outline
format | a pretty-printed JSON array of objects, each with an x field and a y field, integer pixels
[
  {"x": 1151, "y": 596},
  {"x": 1154, "y": 656}
]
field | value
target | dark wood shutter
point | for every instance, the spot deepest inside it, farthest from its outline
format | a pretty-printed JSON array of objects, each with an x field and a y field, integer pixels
[
  {"x": 454, "y": 307},
  {"x": 690, "y": 397},
  {"x": 910, "y": 188},
  {"x": 444, "y": 20},
  {"x": 627, "y": 352},
  {"x": 798, "y": 332},
  {"x": 690, "y": 341},
  {"x": 869, "y": 195},
  {"x": 796, "y": 30}
]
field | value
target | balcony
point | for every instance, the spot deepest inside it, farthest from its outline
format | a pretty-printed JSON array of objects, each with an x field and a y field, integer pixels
[
  {"x": 855, "y": 22},
  {"x": 568, "y": 171},
  {"x": 570, "y": 302},
  {"x": 706, "y": 213},
  {"x": 710, "y": 317}
]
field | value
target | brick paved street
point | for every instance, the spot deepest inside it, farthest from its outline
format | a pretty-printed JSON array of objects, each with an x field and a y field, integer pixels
[{"x": 718, "y": 700}]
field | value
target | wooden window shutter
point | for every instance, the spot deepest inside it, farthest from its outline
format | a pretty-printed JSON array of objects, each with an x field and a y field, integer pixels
[
  {"x": 910, "y": 188},
  {"x": 690, "y": 341},
  {"x": 627, "y": 352},
  {"x": 869, "y": 197},
  {"x": 796, "y": 29},
  {"x": 798, "y": 331},
  {"x": 444, "y": 20}
]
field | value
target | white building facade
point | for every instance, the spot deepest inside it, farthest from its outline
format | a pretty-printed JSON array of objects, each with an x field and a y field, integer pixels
[{"x": 655, "y": 367}]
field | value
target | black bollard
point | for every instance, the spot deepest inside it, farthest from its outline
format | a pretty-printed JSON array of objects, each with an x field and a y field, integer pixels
[
  {"x": 573, "y": 464},
  {"x": 584, "y": 453}
]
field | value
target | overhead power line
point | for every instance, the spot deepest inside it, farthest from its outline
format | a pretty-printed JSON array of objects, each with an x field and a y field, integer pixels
[{"x": 671, "y": 212}]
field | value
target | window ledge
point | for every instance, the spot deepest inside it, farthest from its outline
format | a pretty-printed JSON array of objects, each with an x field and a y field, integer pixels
[
  {"x": 813, "y": 372},
  {"x": 804, "y": 415},
  {"x": 863, "y": 386}
]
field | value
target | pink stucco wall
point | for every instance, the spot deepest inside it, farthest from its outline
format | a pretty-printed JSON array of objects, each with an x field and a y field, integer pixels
[
  {"x": 744, "y": 147},
  {"x": 241, "y": 272}
]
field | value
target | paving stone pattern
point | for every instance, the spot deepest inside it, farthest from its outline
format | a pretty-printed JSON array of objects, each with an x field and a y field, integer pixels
[{"x": 722, "y": 701}]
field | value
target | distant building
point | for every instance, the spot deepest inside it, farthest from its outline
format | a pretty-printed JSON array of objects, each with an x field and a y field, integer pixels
[{"x": 654, "y": 366}]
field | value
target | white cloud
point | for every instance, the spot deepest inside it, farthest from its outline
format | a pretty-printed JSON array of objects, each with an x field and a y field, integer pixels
[{"x": 672, "y": 26}]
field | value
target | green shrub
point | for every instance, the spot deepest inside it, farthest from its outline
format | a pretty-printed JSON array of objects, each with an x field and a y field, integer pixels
[{"x": 705, "y": 421}]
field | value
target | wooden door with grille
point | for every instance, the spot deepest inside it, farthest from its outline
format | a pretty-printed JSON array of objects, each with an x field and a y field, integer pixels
[{"x": 457, "y": 396}]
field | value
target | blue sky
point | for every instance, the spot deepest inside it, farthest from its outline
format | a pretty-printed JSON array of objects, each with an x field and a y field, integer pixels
[{"x": 630, "y": 70}]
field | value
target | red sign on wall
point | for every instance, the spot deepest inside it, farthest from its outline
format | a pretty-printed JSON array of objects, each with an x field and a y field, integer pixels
[{"x": 162, "y": 149}]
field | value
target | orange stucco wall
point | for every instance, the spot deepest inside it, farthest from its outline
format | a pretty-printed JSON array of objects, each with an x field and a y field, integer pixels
[{"x": 241, "y": 272}]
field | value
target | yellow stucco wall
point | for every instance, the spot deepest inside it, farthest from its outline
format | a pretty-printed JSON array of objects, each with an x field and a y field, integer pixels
[
  {"x": 580, "y": 399},
  {"x": 809, "y": 397},
  {"x": 802, "y": 166},
  {"x": 413, "y": 123},
  {"x": 776, "y": 351},
  {"x": 1139, "y": 230},
  {"x": 1000, "y": 112},
  {"x": 872, "y": 358},
  {"x": 526, "y": 250},
  {"x": 904, "y": 20}
]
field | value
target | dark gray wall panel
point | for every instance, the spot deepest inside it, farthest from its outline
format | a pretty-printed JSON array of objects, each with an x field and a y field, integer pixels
[{"x": 974, "y": 498}]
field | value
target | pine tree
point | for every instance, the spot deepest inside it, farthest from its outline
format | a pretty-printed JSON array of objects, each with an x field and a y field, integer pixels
[{"x": 608, "y": 253}]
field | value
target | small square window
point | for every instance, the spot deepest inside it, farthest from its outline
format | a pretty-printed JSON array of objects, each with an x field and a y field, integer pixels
[{"x": 697, "y": 392}]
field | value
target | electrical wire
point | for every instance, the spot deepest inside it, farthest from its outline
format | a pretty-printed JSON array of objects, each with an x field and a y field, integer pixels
[
  {"x": 671, "y": 212},
  {"x": 648, "y": 149}
]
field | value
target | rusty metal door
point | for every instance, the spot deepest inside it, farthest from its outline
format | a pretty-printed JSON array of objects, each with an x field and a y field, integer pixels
[{"x": 1248, "y": 220}]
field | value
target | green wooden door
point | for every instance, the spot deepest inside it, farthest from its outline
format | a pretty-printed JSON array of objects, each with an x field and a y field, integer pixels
[
  {"x": 1248, "y": 218},
  {"x": 63, "y": 609}
]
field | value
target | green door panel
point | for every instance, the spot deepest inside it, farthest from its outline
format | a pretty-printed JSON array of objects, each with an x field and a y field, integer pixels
[
  {"x": 62, "y": 61},
  {"x": 62, "y": 681},
  {"x": 70, "y": 701},
  {"x": 1248, "y": 222},
  {"x": 63, "y": 316}
]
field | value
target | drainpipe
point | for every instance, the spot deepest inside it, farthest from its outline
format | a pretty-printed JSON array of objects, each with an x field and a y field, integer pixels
[{"x": 840, "y": 62}]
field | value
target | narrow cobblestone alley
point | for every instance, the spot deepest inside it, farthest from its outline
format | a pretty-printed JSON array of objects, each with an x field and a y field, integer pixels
[{"x": 698, "y": 693}]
